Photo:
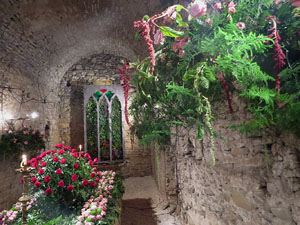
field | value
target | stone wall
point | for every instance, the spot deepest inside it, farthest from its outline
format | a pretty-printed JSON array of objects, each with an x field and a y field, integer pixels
[
  {"x": 10, "y": 185},
  {"x": 256, "y": 179},
  {"x": 98, "y": 69}
]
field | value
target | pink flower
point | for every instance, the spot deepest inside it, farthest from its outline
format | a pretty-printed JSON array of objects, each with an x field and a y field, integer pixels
[
  {"x": 217, "y": 5},
  {"x": 63, "y": 161},
  {"x": 47, "y": 178},
  {"x": 61, "y": 152},
  {"x": 43, "y": 164},
  {"x": 95, "y": 160},
  {"x": 181, "y": 53},
  {"x": 241, "y": 25},
  {"x": 91, "y": 162},
  {"x": 180, "y": 43},
  {"x": 70, "y": 187},
  {"x": 93, "y": 174},
  {"x": 75, "y": 165},
  {"x": 25, "y": 142},
  {"x": 58, "y": 146},
  {"x": 55, "y": 159},
  {"x": 48, "y": 191},
  {"x": 22, "y": 180},
  {"x": 198, "y": 9},
  {"x": 37, "y": 184},
  {"x": 33, "y": 180},
  {"x": 95, "y": 169},
  {"x": 84, "y": 182},
  {"x": 97, "y": 180},
  {"x": 92, "y": 183},
  {"x": 231, "y": 7},
  {"x": 74, "y": 177},
  {"x": 40, "y": 171},
  {"x": 159, "y": 38},
  {"x": 296, "y": 3},
  {"x": 61, "y": 183},
  {"x": 25, "y": 132},
  {"x": 58, "y": 171},
  {"x": 208, "y": 22},
  {"x": 10, "y": 131}
]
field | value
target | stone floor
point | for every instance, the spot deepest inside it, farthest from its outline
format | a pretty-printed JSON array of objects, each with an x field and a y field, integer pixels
[{"x": 145, "y": 188}]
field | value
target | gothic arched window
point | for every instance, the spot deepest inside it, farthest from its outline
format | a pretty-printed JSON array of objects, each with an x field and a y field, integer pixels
[{"x": 103, "y": 122}]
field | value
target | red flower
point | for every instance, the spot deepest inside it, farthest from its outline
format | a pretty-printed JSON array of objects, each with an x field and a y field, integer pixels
[
  {"x": 87, "y": 155},
  {"x": 67, "y": 148},
  {"x": 99, "y": 174},
  {"x": 33, "y": 179},
  {"x": 43, "y": 164},
  {"x": 91, "y": 162},
  {"x": 61, "y": 152},
  {"x": 76, "y": 166},
  {"x": 58, "y": 146},
  {"x": 70, "y": 187},
  {"x": 97, "y": 180},
  {"x": 93, "y": 174},
  {"x": 61, "y": 183},
  {"x": 74, "y": 150},
  {"x": 48, "y": 191},
  {"x": 92, "y": 183},
  {"x": 95, "y": 169},
  {"x": 40, "y": 171},
  {"x": 55, "y": 159},
  {"x": 63, "y": 161},
  {"x": 95, "y": 160},
  {"x": 84, "y": 182},
  {"x": 74, "y": 177},
  {"x": 35, "y": 164},
  {"x": 37, "y": 184},
  {"x": 58, "y": 171},
  {"x": 43, "y": 154},
  {"x": 75, "y": 155},
  {"x": 47, "y": 179},
  {"x": 22, "y": 180},
  {"x": 53, "y": 152}
]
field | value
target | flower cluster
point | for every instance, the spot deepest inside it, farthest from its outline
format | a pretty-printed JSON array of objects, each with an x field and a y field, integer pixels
[
  {"x": 95, "y": 208},
  {"x": 279, "y": 56},
  {"x": 11, "y": 215},
  {"x": 125, "y": 72},
  {"x": 25, "y": 138},
  {"x": 65, "y": 174},
  {"x": 144, "y": 31}
]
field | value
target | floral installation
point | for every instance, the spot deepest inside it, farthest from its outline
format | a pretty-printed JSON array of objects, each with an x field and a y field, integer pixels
[
  {"x": 8, "y": 216},
  {"x": 94, "y": 210},
  {"x": 23, "y": 139}
]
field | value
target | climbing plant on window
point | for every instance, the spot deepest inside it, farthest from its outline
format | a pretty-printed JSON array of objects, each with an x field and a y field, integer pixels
[{"x": 104, "y": 122}]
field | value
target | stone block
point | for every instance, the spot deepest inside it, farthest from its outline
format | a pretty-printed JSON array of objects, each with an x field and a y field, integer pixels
[{"x": 241, "y": 201}]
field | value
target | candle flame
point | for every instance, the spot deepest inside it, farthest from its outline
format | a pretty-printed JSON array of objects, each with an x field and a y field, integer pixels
[
  {"x": 80, "y": 147},
  {"x": 24, "y": 160}
]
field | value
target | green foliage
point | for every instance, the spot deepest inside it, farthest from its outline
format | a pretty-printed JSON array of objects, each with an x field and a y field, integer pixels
[
  {"x": 23, "y": 140},
  {"x": 181, "y": 89}
]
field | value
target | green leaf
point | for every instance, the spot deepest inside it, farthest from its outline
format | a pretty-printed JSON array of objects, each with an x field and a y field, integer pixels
[
  {"x": 175, "y": 122},
  {"x": 180, "y": 22},
  {"x": 137, "y": 36},
  {"x": 179, "y": 8},
  {"x": 168, "y": 31}
]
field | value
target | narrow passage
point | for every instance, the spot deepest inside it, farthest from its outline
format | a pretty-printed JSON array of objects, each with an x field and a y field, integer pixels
[{"x": 143, "y": 205}]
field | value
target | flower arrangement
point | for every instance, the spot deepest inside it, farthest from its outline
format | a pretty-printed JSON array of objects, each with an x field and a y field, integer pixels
[
  {"x": 208, "y": 51},
  {"x": 68, "y": 190},
  {"x": 26, "y": 139},
  {"x": 65, "y": 174}
]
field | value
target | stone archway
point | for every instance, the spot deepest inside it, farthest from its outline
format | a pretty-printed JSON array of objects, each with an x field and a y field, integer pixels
[{"x": 97, "y": 69}]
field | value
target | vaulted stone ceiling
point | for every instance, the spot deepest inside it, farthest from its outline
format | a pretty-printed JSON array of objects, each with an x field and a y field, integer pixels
[{"x": 43, "y": 38}]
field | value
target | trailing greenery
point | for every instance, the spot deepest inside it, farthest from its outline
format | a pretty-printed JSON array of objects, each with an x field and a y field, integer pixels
[
  {"x": 23, "y": 140},
  {"x": 209, "y": 57}
]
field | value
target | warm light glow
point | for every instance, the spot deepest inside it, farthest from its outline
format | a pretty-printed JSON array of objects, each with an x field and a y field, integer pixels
[
  {"x": 80, "y": 147},
  {"x": 24, "y": 160},
  {"x": 34, "y": 115},
  {"x": 7, "y": 116}
]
